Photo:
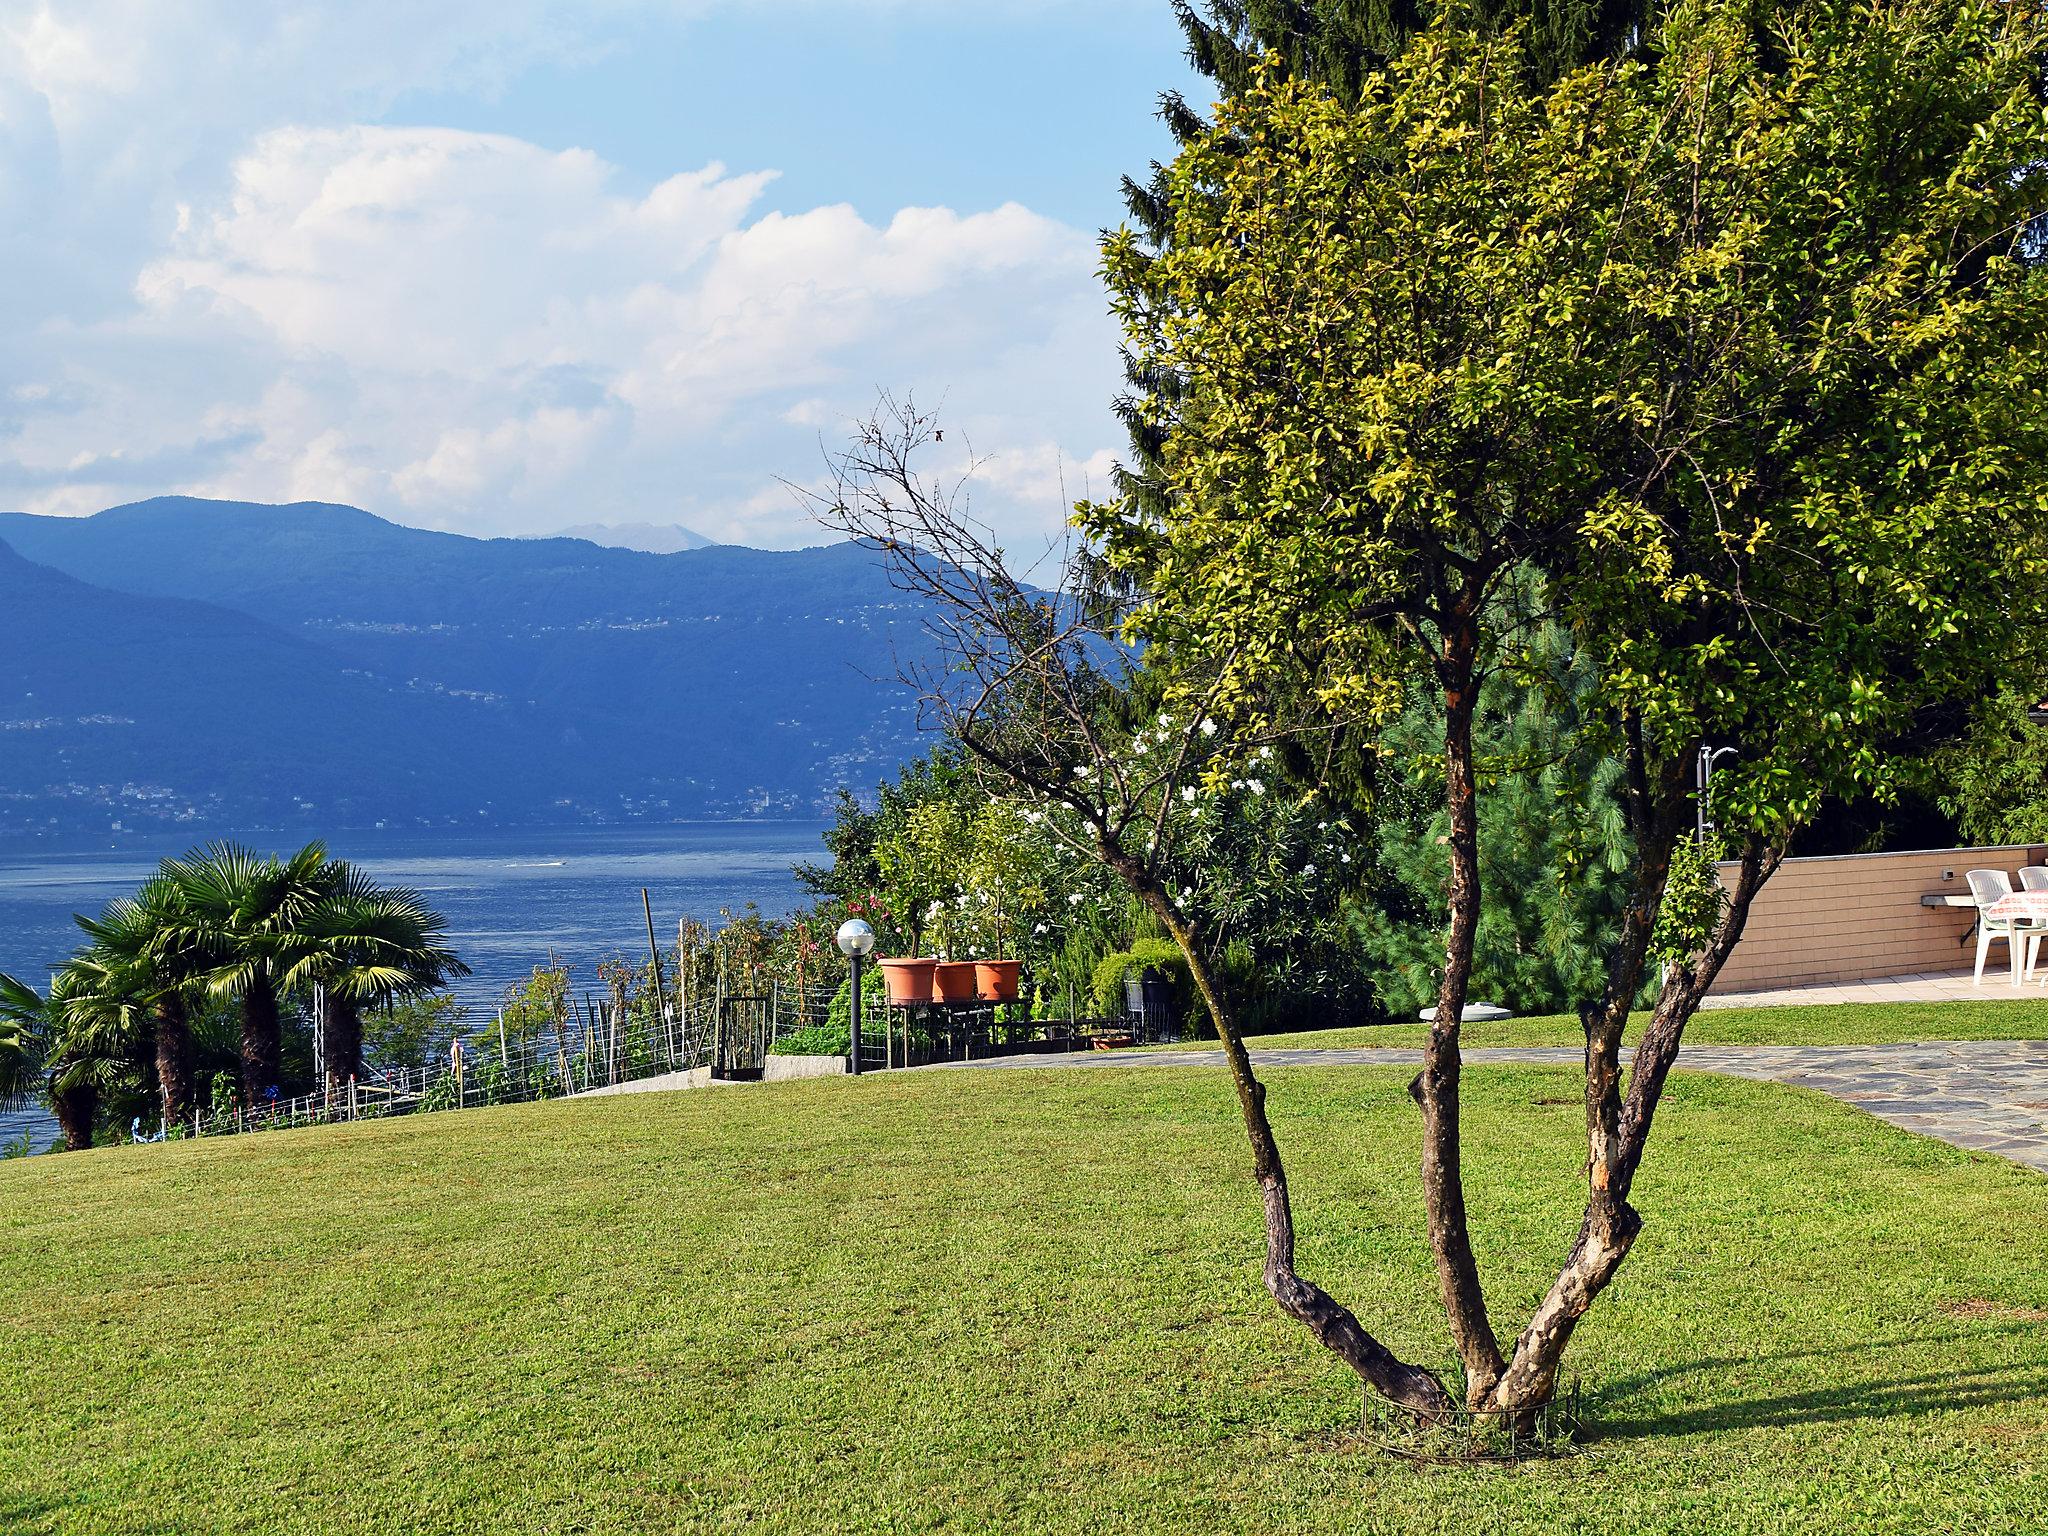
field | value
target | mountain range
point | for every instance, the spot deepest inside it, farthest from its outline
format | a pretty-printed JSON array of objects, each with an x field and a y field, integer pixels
[
  {"x": 238, "y": 664},
  {"x": 648, "y": 538}
]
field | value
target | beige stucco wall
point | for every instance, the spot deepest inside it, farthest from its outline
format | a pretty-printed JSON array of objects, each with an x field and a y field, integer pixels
[{"x": 1859, "y": 916}]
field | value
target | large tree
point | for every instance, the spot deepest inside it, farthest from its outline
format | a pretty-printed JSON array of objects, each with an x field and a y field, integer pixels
[
  {"x": 243, "y": 917},
  {"x": 1738, "y": 355},
  {"x": 137, "y": 962},
  {"x": 1733, "y": 367},
  {"x": 368, "y": 945}
]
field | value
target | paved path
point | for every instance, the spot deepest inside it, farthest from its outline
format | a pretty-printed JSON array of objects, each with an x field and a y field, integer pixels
[{"x": 1987, "y": 1095}]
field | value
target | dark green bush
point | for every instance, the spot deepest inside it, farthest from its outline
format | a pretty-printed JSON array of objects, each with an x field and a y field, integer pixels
[
  {"x": 817, "y": 1040},
  {"x": 1106, "y": 989}
]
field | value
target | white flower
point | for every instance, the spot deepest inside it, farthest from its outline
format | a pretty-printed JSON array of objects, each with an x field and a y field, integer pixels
[
  {"x": 1039, "y": 929},
  {"x": 1255, "y": 786},
  {"x": 1237, "y": 783},
  {"x": 1165, "y": 720},
  {"x": 1307, "y": 870},
  {"x": 1074, "y": 899},
  {"x": 1187, "y": 793},
  {"x": 1265, "y": 753},
  {"x": 1082, "y": 772},
  {"x": 1345, "y": 857},
  {"x": 1208, "y": 727},
  {"x": 1322, "y": 826}
]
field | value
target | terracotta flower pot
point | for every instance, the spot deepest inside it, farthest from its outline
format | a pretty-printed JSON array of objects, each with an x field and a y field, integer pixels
[
  {"x": 909, "y": 981},
  {"x": 996, "y": 980},
  {"x": 953, "y": 981}
]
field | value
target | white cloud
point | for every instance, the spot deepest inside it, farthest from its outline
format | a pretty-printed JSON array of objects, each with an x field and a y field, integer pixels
[{"x": 471, "y": 331}]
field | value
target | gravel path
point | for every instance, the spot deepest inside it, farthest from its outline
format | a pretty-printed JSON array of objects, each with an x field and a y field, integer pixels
[{"x": 1986, "y": 1095}]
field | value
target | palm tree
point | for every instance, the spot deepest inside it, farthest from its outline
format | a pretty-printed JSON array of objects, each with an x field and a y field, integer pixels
[
  {"x": 370, "y": 945},
  {"x": 26, "y": 1024},
  {"x": 100, "y": 1046},
  {"x": 242, "y": 917},
  {"x": 44, "y": 1037},
  {"x": 142, "y": 959}
]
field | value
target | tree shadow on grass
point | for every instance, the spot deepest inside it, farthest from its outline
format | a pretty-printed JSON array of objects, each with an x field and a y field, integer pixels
[{"x": 1609, "y": 1418}]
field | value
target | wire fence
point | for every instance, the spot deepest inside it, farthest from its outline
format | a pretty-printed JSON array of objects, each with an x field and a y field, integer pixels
[{"x": 603, "y": 1046}]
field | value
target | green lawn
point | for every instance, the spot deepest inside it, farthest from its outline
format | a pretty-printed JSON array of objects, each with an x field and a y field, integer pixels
[
  {"x": 1811, "y": 1024},
  {"x": 1012, "y": 1301}
]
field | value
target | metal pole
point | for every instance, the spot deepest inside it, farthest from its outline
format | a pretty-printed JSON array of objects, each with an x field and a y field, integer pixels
[
  {"x": 853, "y": 1020},
  {"x": 654, "y": 953}
]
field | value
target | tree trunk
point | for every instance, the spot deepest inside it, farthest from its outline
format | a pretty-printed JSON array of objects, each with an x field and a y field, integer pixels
[
  {"x": 1435, "y": 1088},
  {"x": 261, "y": 1041},
  {"x": 344, "y": 1042},
  {"x": 1333, "y": 1324},
  {"x": 174, "y": 1058},
  {"x": 77, "y": 1109},
  {"x": 1610, "y": 1224}
]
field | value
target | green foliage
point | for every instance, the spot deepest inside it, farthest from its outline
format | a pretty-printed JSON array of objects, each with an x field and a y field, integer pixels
[
  {"x": 1994, "y": 781},
  {"x": 1694, "y": 900},
  {"x": 440, "y": 1094},
  {"x": 23, "y": 1145},
  {"x": 874, "y": 994},
  {"x": 537, "y": 1006},
  {"x": 815, "y": 1040},
  {"x": 1161, "y": 956},
  {"x": 1699, "y": 358},
  {"x": 1553, "y": 844},
  {"x": 404, "y": 1032}
]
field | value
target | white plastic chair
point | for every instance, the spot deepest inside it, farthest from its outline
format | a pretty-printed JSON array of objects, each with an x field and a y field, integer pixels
[
  {"x": 2034, "y": 878},
  {"x": 2021, "y": 937}
]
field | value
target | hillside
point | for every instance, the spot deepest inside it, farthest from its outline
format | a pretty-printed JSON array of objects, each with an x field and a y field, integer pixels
[
  {"x": 115, "y": 707},
  {"x": 607, "y": 684},
  {"x": 1005, "y": 1301}
]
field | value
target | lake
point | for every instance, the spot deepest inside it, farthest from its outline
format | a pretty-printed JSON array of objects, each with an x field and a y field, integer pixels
[{"x": 508, "y": 896}]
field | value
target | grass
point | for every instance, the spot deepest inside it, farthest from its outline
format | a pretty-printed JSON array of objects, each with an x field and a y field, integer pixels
[
  {"x": 1805, "y": 1024},
  {"x": 1016, "y": 1301}
]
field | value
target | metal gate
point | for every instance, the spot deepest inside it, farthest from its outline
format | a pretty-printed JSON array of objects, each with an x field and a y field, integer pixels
[{"x": 745, "y": 1030}]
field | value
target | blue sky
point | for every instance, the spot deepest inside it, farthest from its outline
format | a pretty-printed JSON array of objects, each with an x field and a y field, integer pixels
[{"x": 503, "y": 267}]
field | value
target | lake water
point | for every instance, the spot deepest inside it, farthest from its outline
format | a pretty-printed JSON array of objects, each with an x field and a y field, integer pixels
[{"x": 508, "y": 896}]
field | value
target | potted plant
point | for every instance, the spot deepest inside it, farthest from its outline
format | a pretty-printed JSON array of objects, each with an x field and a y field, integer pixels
[
  {"x": 909, "y": 981},
  {"x": 952, "y": 980},
  {"x": 997, "y": 981}
]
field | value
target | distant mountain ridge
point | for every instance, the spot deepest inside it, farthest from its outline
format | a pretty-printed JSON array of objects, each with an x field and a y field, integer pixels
[
  {"x": 501, "y": 680},
  {"x": 648, "y": 538}
]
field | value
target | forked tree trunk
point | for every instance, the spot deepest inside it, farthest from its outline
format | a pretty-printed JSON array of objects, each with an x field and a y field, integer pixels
[
  {"x": 1609, "y": 1227},
  {"x": 1333, "y": 1324},
  {"x": 76, "y": 1110},
  {"x": 174, "y": 1058},
  {"x": 1435, "y": 1088},
  {"x": 261, "y": 1042}
]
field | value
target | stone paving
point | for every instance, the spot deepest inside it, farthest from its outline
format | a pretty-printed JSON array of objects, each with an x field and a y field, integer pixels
[{"x": 1986, "y": 1095}]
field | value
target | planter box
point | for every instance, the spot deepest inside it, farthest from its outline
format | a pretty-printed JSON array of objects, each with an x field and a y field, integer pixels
[
  {"x": 953, "y": 981},
  {"x": 789, "y": 1069},
  {"x": 909, "y": 981},
  {"x": 997, "y": 980}
]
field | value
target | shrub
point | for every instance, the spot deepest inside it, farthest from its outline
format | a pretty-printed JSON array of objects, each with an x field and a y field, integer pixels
[
  {"x": 1163, "y": 956},
  {"x": 817, "y": 1040}
]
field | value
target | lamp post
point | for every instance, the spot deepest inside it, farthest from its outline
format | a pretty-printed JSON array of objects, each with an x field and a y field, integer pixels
[
  {"x": 856, "y": 942},
  {"x": 1702, "y": 772}
]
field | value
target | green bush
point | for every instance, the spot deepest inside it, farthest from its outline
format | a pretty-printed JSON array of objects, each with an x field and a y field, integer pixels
[
  {"x": 1106, "y": 988},
  {"x": 817, "y": 1040},
  {"x": 874, "y": 993}
]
